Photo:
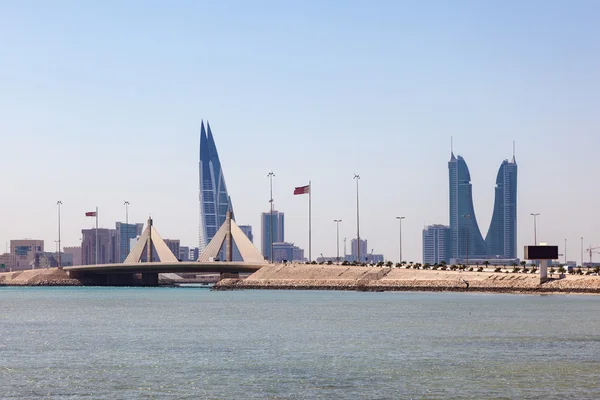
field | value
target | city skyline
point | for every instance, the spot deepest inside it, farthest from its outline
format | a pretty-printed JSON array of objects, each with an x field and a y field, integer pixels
[{"x": 113, "y": 115}]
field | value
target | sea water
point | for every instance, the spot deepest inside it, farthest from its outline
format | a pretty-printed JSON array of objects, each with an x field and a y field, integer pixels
[{"x": 168, "y": 343}]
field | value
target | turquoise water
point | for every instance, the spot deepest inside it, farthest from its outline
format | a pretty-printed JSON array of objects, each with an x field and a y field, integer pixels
[{"x": 164, "y": 343}]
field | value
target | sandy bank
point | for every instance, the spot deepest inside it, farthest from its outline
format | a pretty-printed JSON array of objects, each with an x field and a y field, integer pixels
[
  {"x": 335, "y": 277},
  {"x": 38, "y": 277}
]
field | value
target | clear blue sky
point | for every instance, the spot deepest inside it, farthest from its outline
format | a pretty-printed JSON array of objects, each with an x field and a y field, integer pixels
[{"x": 101, "y": 102}]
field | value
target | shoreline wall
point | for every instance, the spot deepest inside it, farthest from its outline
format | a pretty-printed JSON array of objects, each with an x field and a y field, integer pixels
[{"x": 337, "y": 277}]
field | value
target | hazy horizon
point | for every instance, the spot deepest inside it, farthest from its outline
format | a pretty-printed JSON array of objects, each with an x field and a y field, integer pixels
[{"x": 102, "y": 102}]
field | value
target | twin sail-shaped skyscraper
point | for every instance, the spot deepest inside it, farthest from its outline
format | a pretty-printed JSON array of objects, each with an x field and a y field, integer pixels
[
  {"x": 214, "y": 199},
  {"x": 465, "y": 236}
]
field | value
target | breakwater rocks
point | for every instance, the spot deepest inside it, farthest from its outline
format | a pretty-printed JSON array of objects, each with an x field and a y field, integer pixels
[
  {"x": 377, "y": 279},
  {"x": 38, "y": 277}
]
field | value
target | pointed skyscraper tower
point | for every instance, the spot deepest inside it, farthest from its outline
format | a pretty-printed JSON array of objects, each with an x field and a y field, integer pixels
[{"x": 214, "y": 200}]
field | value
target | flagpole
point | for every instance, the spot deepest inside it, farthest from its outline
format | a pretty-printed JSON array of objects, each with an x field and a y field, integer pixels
[
  {"x": 96, "y": 235},
  {"x": 309, "y": 221}
]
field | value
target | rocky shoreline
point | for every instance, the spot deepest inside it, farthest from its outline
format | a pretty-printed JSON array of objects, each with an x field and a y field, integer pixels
[{"x": 380, "y": 279}]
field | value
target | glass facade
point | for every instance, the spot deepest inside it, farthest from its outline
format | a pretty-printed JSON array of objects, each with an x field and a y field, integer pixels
[
  {"x": 501, "y": 238},
  {"x": 278, "y": 231},
  {"x": 214, "y": 200},
  {"x": 126, "y": 233},
  {"x": 464, "y": 231}
]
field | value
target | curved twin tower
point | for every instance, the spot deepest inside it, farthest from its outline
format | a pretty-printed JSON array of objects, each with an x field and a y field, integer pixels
[{"x": 465, "y": 236}]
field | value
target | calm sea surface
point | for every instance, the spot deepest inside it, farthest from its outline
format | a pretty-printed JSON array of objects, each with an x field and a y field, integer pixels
[{"x": 161, "y": 343}]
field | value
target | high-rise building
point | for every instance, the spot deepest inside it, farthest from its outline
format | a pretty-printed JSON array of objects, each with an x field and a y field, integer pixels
[
  {"x": 436, "y": 244},
  {"x": 247, "y": 229},
  {"x": 126, "y": 232},
  {"x": 173, "y": 245},
  {"x": 194, "y": 254},
  {"x": 278, "y": 231},
  {"x": 214, "y": 200},
  {"x": 501, "y": 238},
  {"x": 184, "y": 253},
  {"x": 364, "y": 252},
  {"x": 108, "y": 246},
  {"x": 465, "y": 235}
]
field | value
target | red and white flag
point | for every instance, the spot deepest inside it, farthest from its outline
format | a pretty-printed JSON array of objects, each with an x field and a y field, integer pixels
[
  {"x": 302, "y": 189},
  {"x": 90, "y": 214}
]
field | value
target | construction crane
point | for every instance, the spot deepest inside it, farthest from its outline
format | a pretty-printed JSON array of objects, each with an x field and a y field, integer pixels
[{"x": 590, "y": 250}]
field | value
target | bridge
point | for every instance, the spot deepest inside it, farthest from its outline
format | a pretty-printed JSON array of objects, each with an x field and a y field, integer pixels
[{"x": 140, "y": 266}]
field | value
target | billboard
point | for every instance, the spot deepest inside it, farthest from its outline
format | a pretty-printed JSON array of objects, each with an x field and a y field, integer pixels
[{"x": 541, "y": 252}]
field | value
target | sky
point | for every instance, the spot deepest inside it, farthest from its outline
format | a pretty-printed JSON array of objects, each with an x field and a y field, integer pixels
[{"x": 101, "y": 102}]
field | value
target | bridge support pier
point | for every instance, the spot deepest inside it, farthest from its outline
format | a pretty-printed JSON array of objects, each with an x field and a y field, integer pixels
[
  {"x": 119, "y": 280},
  {"x": 150, "y": 279}
]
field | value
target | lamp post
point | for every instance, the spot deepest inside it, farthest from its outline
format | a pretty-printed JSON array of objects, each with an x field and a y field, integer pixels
[
  {"x": 271, "y": 175},
  {"x": 400, "y": 220},
  {"x": 357, "y": 178},
  {"x": 565, "y": 251},
  {"x": 58, "y": 204},
  {"x": 581, "y": 251},
  {"x": 337, "y": 241},
  {"x": 345, "y": 253},
  {"x": 468, "y": 218},
  {"x": 534, "y": 228},
  {"x": 126, "y": 204}
]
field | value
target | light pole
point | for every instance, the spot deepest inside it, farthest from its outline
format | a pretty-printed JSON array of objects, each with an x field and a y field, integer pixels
[
  {"x": 59, "y": 203},
  {"x": 345, "y": 249},
  {"x": 468, "y": 218},
  {"x": 126, "y": 204},
  {"x": 337, "y": 241},
  {"x": 534, "y": 228},
  {"x": 271, "y": 175},
  {"x": 357, "y": 178},
  {"x": 565, "y": 251},
  {"x": 400, "y": 220},
  {"x": 581, "y": 251}
]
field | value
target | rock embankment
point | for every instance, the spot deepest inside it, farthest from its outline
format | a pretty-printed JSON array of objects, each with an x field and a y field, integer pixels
[
  {"x": 337, "y": 277},
  {"x": 38, "y": 277}
]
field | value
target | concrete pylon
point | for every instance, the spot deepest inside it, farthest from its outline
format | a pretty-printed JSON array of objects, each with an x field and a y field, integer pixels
[
  {"x": 228, "y": 234},
  {"x": 152, "y": 244}
]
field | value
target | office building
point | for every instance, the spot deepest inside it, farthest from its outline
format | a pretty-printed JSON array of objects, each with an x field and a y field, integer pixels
[
  {"x": 194, "y": 254},
  {"x": 108, "y": 246},
  {"x": 278, "y": 229},
  {"x": 23, "y": 252},
  {"x": 75, "y": 254},
  {"x": 283, "y": 251},
  {"x": 213, "y": 196},
  {"x": 353, "y": 256},
  {"x": 184, "y": 253},
  {"x": 501, "y": 238},
  {"x": 126, "y": 232},
  {"x": 247, "y": 229},
  {"x": 465, "y": 236},
  {"x": 173, "y": 245},
  {"x": 436, "y": 244}
]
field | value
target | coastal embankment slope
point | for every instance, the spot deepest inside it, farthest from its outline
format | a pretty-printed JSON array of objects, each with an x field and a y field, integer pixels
[
  {"x": 38, "y": 277},
  {"x": 338, "y": 277}
]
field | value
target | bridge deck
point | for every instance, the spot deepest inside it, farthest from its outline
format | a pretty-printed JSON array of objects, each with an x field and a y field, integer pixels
[{"x": 166, "y": 267}]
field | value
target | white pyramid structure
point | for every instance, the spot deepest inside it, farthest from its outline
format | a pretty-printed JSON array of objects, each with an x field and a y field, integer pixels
[
  {"x": 151, "y": 245},
  {"x": 229, "y": 233}
]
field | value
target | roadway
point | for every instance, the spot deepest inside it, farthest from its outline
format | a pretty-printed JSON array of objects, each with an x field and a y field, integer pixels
[{"x": 167, "y": 267}]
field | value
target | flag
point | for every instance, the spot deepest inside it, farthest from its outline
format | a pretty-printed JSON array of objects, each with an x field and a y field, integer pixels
[
  {"x": 90, "y": 214},
  {"x": 302, "y": 189}
]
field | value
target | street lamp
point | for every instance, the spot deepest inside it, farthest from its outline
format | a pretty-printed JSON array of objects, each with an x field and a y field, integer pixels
[
  {"x": 534, "y": 228},
  {"x": 271, "y": 175},
  {"x": 357, "y": 178},
  {"x": 400, "y": 220},
  {"x": 126, "y": 204},
  {"x": 581, "y": 251},
  {"x": 59, "y": 203},
  {"x": 337, "y": 222},
  {"x": 565, "y": 251}
]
